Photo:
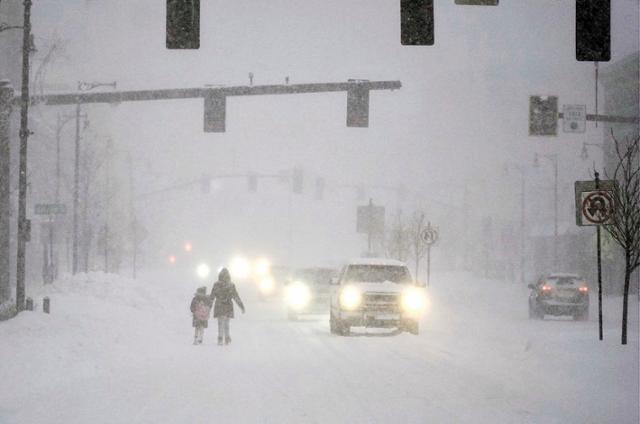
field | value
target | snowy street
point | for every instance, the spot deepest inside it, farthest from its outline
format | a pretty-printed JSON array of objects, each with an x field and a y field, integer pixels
[{"x": 120, "y": 351}]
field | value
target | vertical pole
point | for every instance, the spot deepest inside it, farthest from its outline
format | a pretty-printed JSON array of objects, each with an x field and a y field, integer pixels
[
  {"x": 106, "y": 208},
  {"x": 599, "y": 267},
  {"x": 596, "y": 84},
  {"x": 555, "y": 211},
  {"x": 428, "y": 265},
  {"x": 522, "y": 229},
  {"x": 22, "y": 181},
  {"x": 132, "y": 212},
  {"x": 51, "y": 266},
  {"x": 76, "y": 188},
  {"x": 6, "y": 97}
]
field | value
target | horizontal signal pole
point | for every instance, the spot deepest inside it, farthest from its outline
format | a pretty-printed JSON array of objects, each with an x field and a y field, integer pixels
[
  {"x": 191, "y": 93},
  {"x": 609, "y": 118}
]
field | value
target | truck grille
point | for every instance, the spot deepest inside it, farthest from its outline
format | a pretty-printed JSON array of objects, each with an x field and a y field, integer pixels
[{"x": 389, "y": 302}]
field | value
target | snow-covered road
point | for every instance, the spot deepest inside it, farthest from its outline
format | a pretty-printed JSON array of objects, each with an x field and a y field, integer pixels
[{"x": 119, "y": 351}]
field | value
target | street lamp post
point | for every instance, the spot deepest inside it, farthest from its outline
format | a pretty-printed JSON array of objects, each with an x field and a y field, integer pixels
[
  {"x": 82, "y": 86},
  {"x": 553, "y": 158},
  {"x": 521, "y": 170}
]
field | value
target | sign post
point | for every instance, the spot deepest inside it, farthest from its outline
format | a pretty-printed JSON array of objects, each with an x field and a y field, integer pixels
[
  {"x": 370, "y": 220},
  {"x": 49, "y": 268},
  {"x": 594, "y": 206},
  {"x": 430, "y": 237}
]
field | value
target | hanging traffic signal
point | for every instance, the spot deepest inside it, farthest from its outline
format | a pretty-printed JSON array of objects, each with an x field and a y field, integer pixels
[
  {"x": 357, "y": 106},
  {"x": 416, "y": 22},
  {"x": 215, "y": 110},
  {"x": 252, "y": 185},
  {"x": 205, "y": 184},
  {"x": 319, "y": 188},
  {"x": 543, "y": 115},
  {"x": 593, "y": 30},
  {"x": 297, "y": 181},
  {"x": 183, "y": 24}
]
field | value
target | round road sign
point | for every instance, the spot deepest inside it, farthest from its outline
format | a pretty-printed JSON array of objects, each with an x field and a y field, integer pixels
[
  {"x": 430, "y": 235},
  {"x": 597, "y": 207}
]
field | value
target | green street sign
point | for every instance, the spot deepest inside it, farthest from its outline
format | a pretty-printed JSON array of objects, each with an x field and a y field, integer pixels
[{"x": 50, "y": 209}]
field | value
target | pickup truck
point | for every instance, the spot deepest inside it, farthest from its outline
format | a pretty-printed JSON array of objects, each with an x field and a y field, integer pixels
[{"x": 375, "y": 293}]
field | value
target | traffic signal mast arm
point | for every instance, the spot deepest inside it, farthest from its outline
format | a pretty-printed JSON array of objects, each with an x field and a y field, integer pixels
[
  {"x": 191, "y": 93},
  {"x": 609, "y": 118}
]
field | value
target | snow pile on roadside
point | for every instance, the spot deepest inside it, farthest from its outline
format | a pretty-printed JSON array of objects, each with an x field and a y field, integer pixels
[{"x": 98, "y": 324}]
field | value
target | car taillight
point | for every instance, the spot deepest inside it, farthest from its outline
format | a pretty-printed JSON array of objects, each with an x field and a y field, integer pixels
[
  {"x": 546, "y": 288},
  {"x": 583, "y": 289}
]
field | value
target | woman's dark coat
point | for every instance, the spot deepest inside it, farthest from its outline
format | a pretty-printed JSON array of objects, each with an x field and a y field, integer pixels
[{"x": 223, "y": 292}]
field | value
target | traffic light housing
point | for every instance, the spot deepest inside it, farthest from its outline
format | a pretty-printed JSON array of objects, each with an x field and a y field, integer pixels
[
  {"x": 252, "y": 183},
  {"x": 416, "y": 22},
  {"x": 593, "y": 30},
  {"x": 297, "y": 181},
  {"x": 215, "y": 111},
  {"x": 357, "y": 106},
  {"x": 205, "y": 184},
  {"x": 319, "y": 188},
  {"x": 183, "y": 24},
  {"x": 543, "y": 115}
]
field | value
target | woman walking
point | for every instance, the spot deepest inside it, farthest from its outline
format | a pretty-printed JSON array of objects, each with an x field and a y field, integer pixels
[{"x": 223, "y": 294}]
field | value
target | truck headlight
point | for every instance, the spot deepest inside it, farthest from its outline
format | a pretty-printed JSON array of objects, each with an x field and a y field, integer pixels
[
  {"x": 350, "y": 298},
  {"x": 298, "y": 295},
  {"x": 413, "y": 300}
]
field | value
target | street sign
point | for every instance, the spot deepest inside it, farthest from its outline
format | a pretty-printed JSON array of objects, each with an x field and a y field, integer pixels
[
  {"x": 370, "y": 219},
  {"x": 597, "y": 207},
  {"x": 543, "y": 115},
  {"x": 50, "y": 209},
  {"x": 594, "y": 206},
  {"x": 574, "y": 118},
  {"x": 430, "y": 235}
]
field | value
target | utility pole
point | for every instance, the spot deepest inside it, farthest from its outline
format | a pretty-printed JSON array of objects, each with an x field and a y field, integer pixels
[
  {"x": 132, "y": 212},
  {"x": 6, "y": 96},
  {"x": 106, "y": 206},
  {"x": 23, "y": 224}
]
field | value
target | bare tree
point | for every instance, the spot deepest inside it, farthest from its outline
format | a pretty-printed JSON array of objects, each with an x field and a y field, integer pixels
[{"x": 625, "y": 220}]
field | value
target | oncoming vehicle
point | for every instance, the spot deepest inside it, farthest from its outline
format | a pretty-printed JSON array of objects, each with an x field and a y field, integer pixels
[
  {"x": 559, "y": 294},
  {"x": 307, "y": 292},
  {"x": 375, "y": 293}
]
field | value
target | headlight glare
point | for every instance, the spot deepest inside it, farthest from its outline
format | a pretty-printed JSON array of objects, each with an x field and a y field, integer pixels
[
  {"x": 350, "y": 298},
  {"x": 413, "y": 300},
  {"x": 298, "y": 295}
]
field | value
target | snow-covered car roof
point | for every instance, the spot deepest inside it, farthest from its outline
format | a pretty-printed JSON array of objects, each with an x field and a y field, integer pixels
[
  {"x": 563, "y": 275},
  {"x": 376, "y": 261}
]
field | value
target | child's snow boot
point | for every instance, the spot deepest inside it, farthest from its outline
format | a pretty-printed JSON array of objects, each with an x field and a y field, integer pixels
[{"x": 219, "y": 341}]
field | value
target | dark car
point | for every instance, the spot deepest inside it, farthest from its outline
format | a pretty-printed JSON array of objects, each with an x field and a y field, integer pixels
[
  {"x": 307, "y": 291},
  {"x": 559, "y": 294}
]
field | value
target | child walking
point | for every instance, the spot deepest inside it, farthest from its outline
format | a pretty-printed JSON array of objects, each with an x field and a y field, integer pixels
[
  {"x": 223, "y": 294},
  {"x": 201, "y": 309}
]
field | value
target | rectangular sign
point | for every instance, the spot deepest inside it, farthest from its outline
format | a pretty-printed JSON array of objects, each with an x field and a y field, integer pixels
[
  {"x": 370, "y": 219},
  {"x": 594, "y": 206},
  {"x": 574, "y": 118},
  {"x": 50, "y": 209}
]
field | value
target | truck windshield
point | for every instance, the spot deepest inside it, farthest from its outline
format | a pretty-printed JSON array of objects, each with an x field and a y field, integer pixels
[{"x": 378, "y": 274}]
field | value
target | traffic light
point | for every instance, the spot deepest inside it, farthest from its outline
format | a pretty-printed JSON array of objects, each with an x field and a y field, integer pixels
[
  {"x": 319, "y": 188},
  {"x": 183, "y": 24},
  {"x": 297, "y": 181},
  {"x": 593, "y": 30},
  {"x": 478, "y": 2},
  {"x": 416, "y": 22},
  {"x": 252, "y": 183},
  {"x": 215, "y": 110},
  {"x": 205, "y": 184},
  {"x": 543, "y": 115},
  {"x": 357, "y": 106}
]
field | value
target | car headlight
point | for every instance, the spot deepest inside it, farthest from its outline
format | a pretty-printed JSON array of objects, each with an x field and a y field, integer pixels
[
  {"x": 413, "y": 300},
  {"x": 262, "y": 267},
  {"x": 350, "y": 298},
  {"x": 298, "y": 295},
  {"x": 267, "y": 285},
  {"x": 203, "y": 271}
]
